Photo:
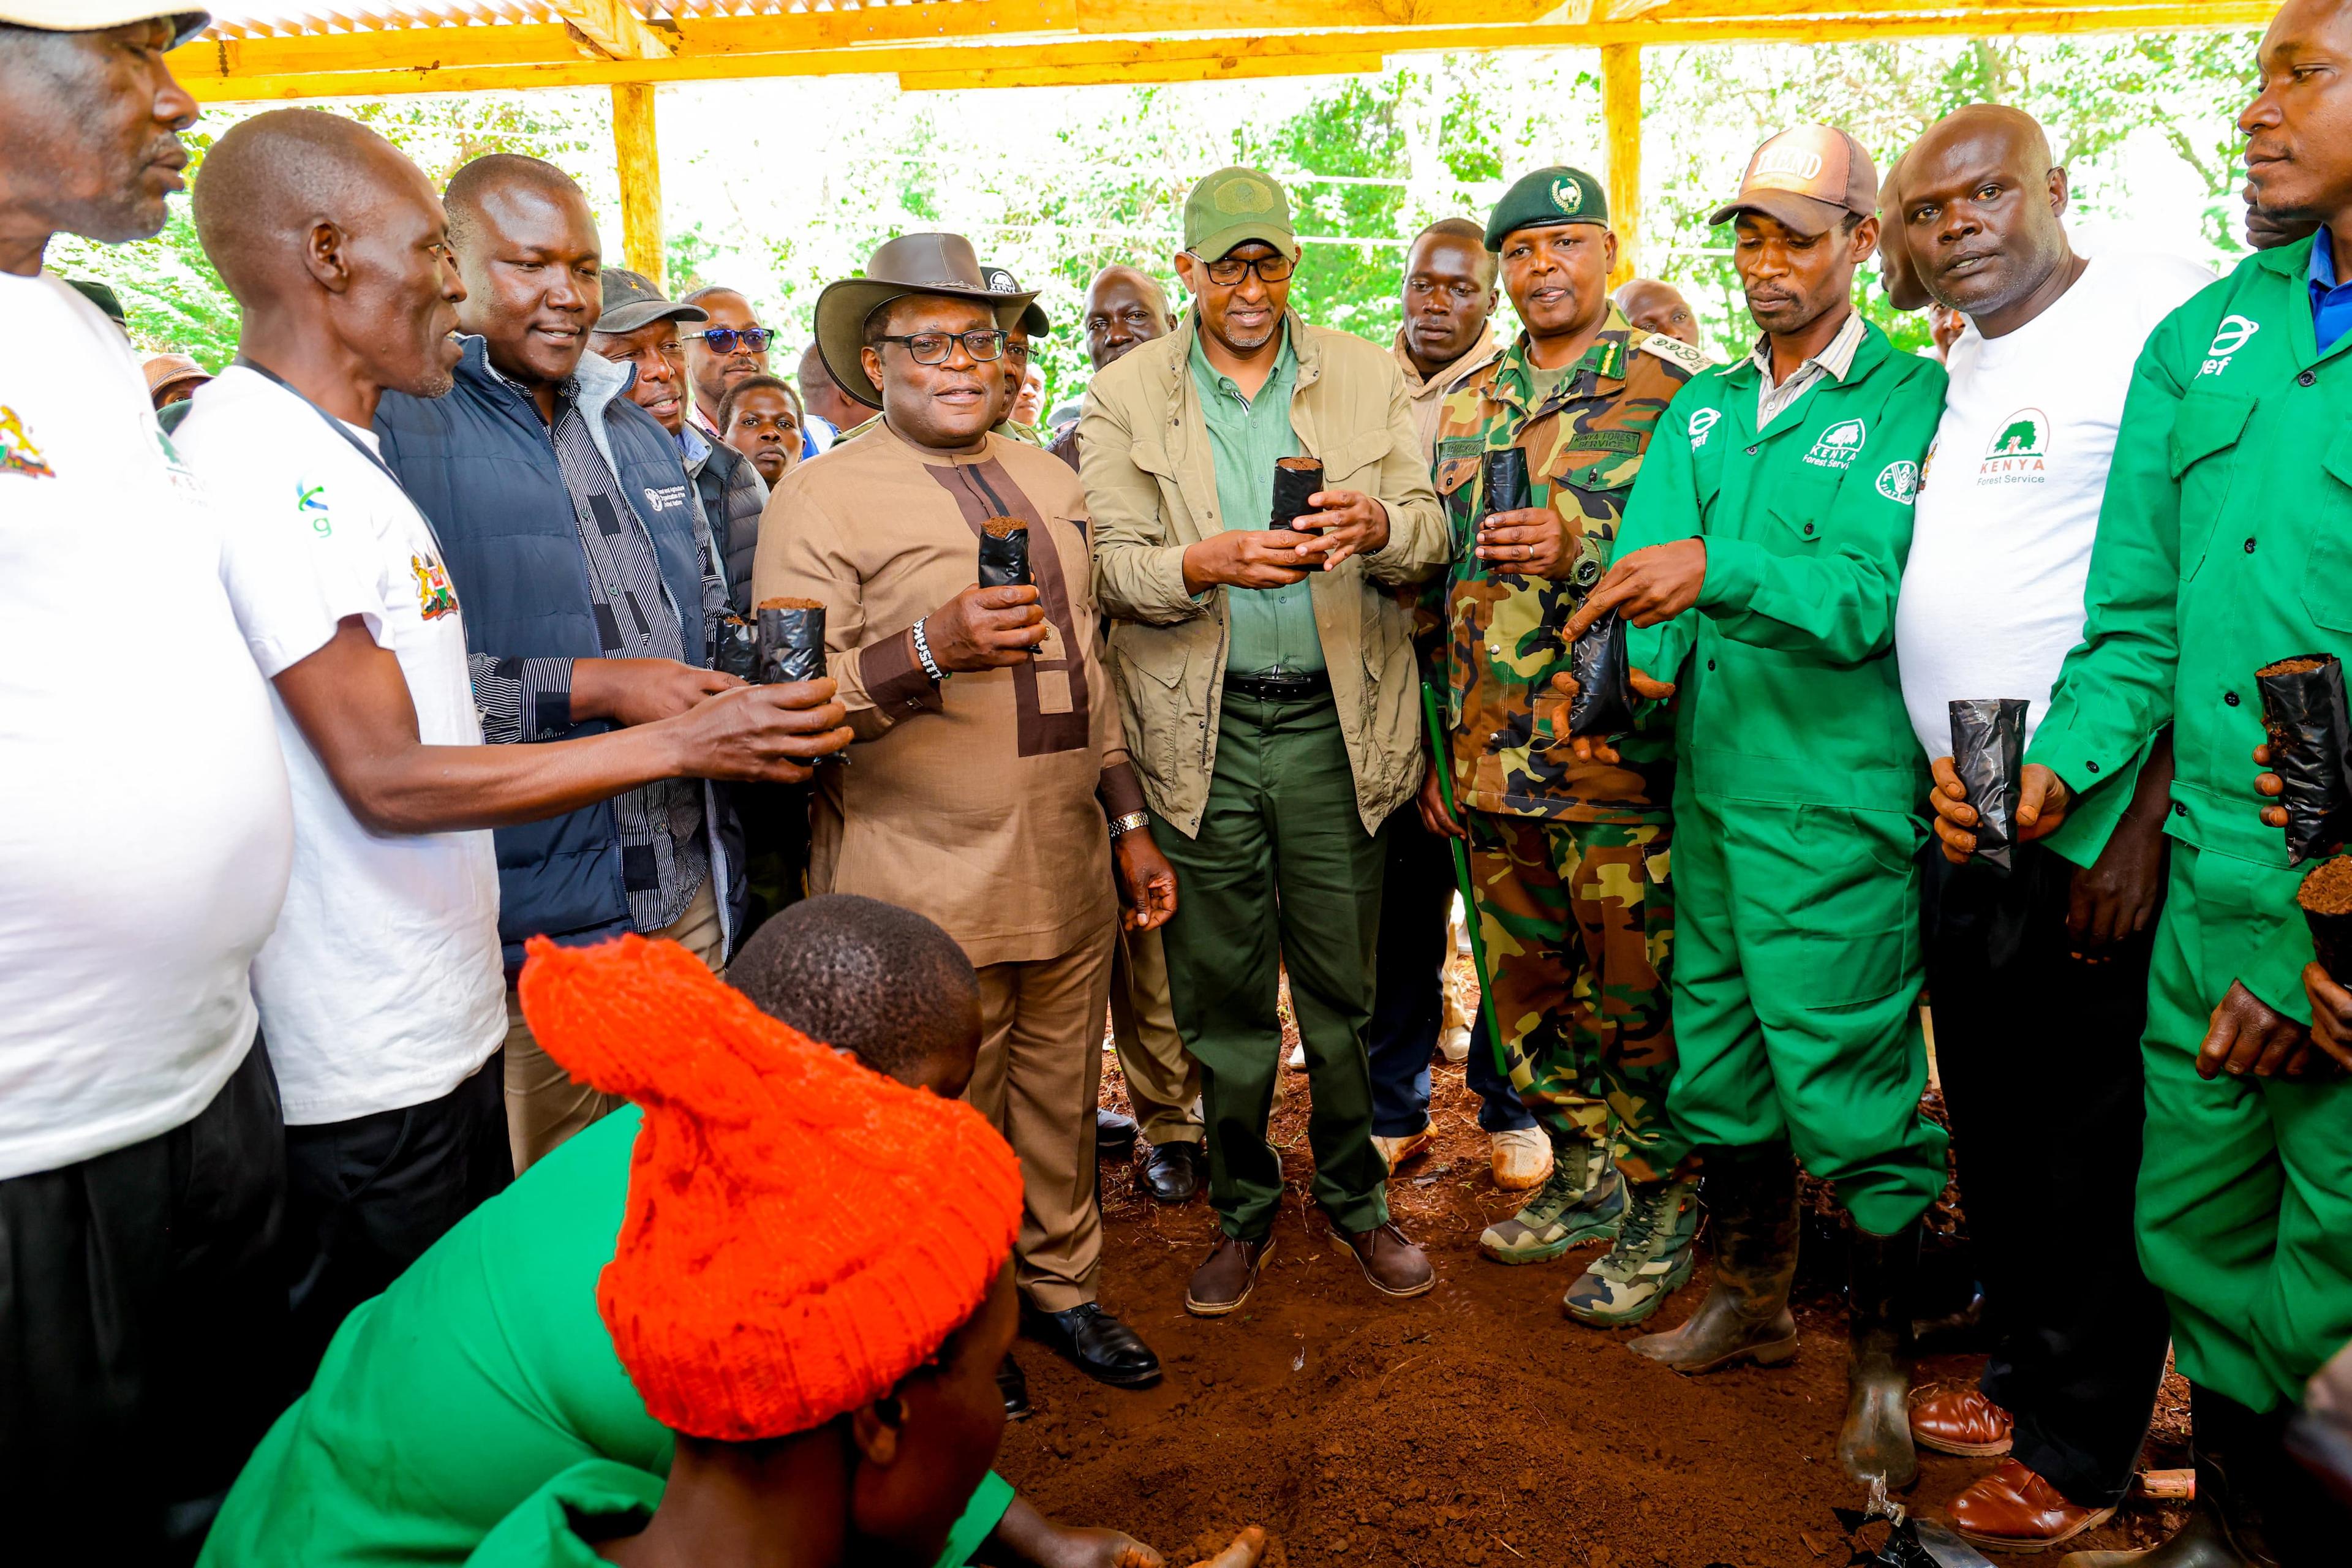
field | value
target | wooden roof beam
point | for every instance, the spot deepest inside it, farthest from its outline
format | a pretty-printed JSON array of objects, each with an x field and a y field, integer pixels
[{"x": 616, "y": 29}]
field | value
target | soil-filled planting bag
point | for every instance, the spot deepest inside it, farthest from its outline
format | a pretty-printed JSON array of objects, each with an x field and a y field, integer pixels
[
  {"x": 1604, "y": 688},
  {"x": 791, "y": 641},
  {"x": 2303, "y": 714},
  {"x": 1004, "y": 553},
  {"x": 1989, "y": 754},
  {"x": 1505, "y": 476},
  {"x": 1295, "y": 478},
  {"x": 739, "y": 649},
  {"x": 2325, "y": 898}
]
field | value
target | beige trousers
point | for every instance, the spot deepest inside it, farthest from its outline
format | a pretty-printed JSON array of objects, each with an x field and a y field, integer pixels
[
  {"x": 1040, "y": 1068},
  {"x": 1163, "y": 1082},
  {"x": 545, "y": 1104}
]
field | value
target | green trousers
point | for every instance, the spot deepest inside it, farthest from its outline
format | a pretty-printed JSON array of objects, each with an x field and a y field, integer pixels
[
  {"x": 1281, "y": 875},
  {"x": 1578, "y": 922},
  {"x": 2245, "y": 1184},
  {"x": 1796, "y": 988}
]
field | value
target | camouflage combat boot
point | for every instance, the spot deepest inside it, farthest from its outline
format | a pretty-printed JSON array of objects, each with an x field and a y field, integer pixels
[
  {"x": 1579, "y": 1201},
  {"x": 1649, "y": 1262},
  {"x": 1752, "y": 1205}
]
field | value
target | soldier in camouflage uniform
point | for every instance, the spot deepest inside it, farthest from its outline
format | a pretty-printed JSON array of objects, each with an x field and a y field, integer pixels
[{"x": 1569, "y": 859}]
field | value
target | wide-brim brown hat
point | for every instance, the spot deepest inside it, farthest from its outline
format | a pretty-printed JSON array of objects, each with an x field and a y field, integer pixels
[
  {"x": 92, "y": 16},
  {"x": 941, "y": 263}
]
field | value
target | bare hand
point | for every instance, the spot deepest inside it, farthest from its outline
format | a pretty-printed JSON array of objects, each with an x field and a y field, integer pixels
[
  {"x": 2042, "y": 803},
  {"x": 1591, "y": 748},
  {"x": 1655, "y": 583},
  {"x": 772, "y": 734},
  {"x": 1344, "y": 523},
  {"x": 2331, "y": 1013},
  {"x": 1248, "y": 1548},
  {"x": 2270, "y": 785},
  {"x": 2112, "y": 899},
  {"x": 1431, "y": 801},
  {"x": 2245, "y": 1036},
  {"x": 985, "y": 628},
  {"x": 1241, "y": 558},
  {"x": 641, "y": 691},
  {"x": 1147, "y": 882},
  {"x": 1529, "y": 541},
  {"x": 1096, "y": 1548}
]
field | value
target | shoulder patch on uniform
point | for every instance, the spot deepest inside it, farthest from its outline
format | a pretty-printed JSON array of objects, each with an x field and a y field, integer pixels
[{"x": 1674, "y": 351}]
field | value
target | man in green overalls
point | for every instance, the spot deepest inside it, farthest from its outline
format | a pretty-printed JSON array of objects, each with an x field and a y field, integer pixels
[
  {"x": 2224, "y": 545},
  {"x": 1760, "y": 562}
]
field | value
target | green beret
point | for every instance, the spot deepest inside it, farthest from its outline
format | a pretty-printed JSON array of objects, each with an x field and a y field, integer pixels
[{"x": 1547, "y": 196}]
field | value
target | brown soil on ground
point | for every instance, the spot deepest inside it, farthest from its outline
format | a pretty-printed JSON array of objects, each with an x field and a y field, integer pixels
[{"x": 1473, "y": 1425}]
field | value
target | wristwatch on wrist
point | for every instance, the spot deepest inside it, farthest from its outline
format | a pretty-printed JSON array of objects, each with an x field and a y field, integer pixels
[{"x": 1121, "y": 827}]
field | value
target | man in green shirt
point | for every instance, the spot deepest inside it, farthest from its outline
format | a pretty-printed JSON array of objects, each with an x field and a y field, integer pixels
[
  {"x": 486, "y": 1371},
  {"x": 1266, "y": 686},
  {"x": 2224, "y": 545},
  {"x": 1759, "y": 562}
]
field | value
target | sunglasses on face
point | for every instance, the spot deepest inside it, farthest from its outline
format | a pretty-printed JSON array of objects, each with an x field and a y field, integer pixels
[
  {"x": 724, "y": 340},
  {"x": 933, "y": 348},
  {"x": 1228, "y": 270}
]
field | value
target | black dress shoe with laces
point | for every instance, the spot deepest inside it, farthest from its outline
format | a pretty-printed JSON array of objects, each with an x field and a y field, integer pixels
[
  {"x": 1015, "y": 1388},
  {"x": 1114, "y": 1135},
  {"x": 1172, "y": 1171},
  {"x": 1097, "y": 1343}
]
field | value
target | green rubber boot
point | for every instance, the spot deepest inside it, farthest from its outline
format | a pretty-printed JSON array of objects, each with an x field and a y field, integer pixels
[
  {"x": 1650, "y": 1261},
  {"x": 1580, "y": 1202}
]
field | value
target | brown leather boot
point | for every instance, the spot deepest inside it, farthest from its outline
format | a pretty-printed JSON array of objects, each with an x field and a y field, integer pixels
[
  {"x": 1876, "y": 1439},
  {"x": 1394, "y": 1266},
  {"x": 1957, "y": 1419},
  {"x": 1752, "y": 1205},
  {"x": 2015, "y": 1510},
  {"x": 1225, "y": 1279}
]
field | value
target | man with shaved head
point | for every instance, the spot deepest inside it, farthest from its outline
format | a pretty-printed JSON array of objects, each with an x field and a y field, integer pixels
[
  {"x": 2051, "y": 960},
  {"x": 728, "y": 346},
  {"x": 381, "y": 992},
  {"x": 143, "y": 863},
  {"x": 1658, "y": 306},
  {"x": 569, "y": 523},
  {"x": 830, "y": 410}
]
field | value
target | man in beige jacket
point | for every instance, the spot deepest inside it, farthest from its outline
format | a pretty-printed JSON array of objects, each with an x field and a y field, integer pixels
[{"x": 1267, "y": 690}]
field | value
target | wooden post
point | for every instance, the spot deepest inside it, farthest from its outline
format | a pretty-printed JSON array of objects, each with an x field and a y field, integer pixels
[
  {"x": 1621, "y": 111},
  {"x": 639, "y": 157}
]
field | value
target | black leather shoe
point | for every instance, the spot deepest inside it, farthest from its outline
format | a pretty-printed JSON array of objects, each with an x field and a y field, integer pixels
[
  {"x": 1097, "y": 1343},
  {"x": 1114, "y": 1135},
  {"x": 1172, "y": 1172},
  {"x": 1015, "y": 1388}
]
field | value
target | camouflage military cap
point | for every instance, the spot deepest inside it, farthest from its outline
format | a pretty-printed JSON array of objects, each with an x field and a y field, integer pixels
[{"x": 1547, "y": 196}]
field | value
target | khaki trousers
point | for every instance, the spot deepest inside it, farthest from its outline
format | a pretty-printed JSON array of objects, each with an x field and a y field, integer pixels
[
  {"x": 545, "y": 1104},
  {"x": 1163, "y": 1082},
  {"x": 1039, "y": 1069}
]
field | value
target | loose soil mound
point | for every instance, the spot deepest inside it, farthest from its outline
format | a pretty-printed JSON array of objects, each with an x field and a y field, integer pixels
[{"x": 1473, "y": 1425}]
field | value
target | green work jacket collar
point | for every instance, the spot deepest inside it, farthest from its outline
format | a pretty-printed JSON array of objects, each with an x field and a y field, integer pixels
[
  {"x": 2292, "y": 264},
  {"x": 1742, "y": 381}
]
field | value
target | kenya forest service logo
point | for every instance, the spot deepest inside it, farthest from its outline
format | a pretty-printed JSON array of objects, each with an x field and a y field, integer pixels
[
  {"x": 1899, "y": 481},
  {"x": 1567, "y": 194},
  {"x": 2018, "y": 451},
  {"x": 436, "y": 598},
  {"x": 1837, "y": 446},
  {"x": 18, "y": 453},
  {"x": 1702, "y": 422},
  {"x": 2234, "y": 334}
]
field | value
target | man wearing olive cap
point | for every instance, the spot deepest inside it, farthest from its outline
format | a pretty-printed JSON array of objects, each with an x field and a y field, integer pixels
[
  {"x": 142, "y": 1154},
  {"x": 1567, "y": 858},
  {"x": 1267, "y": 683},
  {"x": 1759, "y": 564}
]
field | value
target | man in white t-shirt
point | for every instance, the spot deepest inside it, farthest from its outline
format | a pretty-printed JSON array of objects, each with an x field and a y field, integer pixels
[
  {"x": 2038, "y": 979},
  {"x": 144, "y": 839},
  {"x": 381, "y": 993}
]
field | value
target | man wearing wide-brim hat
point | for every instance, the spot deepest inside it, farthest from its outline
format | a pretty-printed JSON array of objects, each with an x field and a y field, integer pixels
[
  {"x": 143, "y": 1153},
  {"x": 990, "y": 782}
]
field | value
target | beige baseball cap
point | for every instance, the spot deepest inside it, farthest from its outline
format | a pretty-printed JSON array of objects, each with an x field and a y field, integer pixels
[
  {"x": 90, "y": 15},
  {"x": 1808, "y": 177}
]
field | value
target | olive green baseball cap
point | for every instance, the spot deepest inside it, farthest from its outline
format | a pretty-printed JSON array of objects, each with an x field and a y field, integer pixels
[
  {"x": 1546, "y": 198},
  {"x": 1234, "y": 206}
]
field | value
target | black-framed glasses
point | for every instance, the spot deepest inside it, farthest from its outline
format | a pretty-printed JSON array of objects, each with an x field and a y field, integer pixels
[
  {"x": 933, "y": 348},
  {"x": 1228, "y": 270},
  {"x": 723, "y": 340}
]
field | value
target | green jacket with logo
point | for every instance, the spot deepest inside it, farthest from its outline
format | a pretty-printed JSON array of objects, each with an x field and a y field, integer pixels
[
  {"x": 1786, "y": 689},
  {"x": 2224, "y": 545}
]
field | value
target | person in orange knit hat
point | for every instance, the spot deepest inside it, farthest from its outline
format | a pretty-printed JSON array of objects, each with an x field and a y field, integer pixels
[{"x": 830, "y": 1373}]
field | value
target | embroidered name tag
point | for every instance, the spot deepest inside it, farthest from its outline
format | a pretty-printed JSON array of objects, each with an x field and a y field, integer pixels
[{"x": 1605, "y": 441}]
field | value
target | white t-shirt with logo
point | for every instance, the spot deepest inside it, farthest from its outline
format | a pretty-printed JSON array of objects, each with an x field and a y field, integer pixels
[
  {"x": 144, "y": 829},
  {"x": 2009, "y": 498},
  {"x": 382, "y": 987}
]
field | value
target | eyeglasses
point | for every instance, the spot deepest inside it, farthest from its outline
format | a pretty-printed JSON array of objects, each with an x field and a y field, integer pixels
[
  {"x": 933, "y": 348},
  {"x": 1227, "y": 271},
  {"x": 722, "y": 340}
]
